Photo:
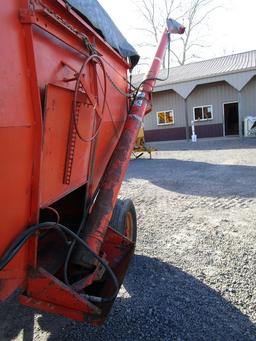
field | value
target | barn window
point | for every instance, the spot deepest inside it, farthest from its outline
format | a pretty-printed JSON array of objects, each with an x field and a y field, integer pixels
[
  {"x": 203, "y": 113},
  {"x": 165, "y": 117}
]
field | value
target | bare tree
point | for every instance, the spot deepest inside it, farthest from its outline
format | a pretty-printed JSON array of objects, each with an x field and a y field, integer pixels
[
  {"x": 192, "y": 13},
  {"x": 154, "y": 14}
]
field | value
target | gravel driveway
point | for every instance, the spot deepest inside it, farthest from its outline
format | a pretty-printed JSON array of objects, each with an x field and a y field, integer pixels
[{"x": 193, "y": 276}]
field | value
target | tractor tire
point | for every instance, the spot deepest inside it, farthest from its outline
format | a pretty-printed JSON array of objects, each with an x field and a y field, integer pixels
[{"x": 124, "y": 219}]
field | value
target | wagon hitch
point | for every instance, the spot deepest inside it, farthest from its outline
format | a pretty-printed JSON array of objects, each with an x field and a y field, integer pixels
[{"x": 47, "y": 292}]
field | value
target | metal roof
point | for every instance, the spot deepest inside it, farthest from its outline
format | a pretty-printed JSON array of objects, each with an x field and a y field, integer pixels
[{"x": 235, "y": 63}]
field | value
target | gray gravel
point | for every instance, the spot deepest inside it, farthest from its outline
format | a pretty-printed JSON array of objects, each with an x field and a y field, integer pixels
[{"x": 193, "y": 276}]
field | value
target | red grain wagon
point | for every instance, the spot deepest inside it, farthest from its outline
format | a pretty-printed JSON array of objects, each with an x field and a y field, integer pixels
[{"x": 68, "y": 124}]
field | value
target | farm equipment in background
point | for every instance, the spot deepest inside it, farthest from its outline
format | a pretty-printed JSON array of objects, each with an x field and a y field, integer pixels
[
  {"x": 250, "y": 126},
  {"x": 66, "y": 137},
  {"x": 140, "y": 146}
]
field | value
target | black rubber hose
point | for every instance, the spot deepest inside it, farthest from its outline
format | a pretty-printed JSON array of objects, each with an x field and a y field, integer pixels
[{"x": 20, "y": 241}]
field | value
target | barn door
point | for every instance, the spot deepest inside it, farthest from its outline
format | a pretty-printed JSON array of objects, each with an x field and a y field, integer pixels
[{"x": 231, "y": 119}]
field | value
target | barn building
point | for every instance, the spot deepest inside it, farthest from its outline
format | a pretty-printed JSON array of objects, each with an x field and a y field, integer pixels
[{"x": 216, "y": 94}]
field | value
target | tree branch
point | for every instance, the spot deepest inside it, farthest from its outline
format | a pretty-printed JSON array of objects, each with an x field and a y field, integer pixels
[{"x": 155, "y": 13}]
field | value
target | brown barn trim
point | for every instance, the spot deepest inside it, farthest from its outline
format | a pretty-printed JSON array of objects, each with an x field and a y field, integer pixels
[
  {"x": 209, "y": 130},
  {"x": 166, "y": 134}
]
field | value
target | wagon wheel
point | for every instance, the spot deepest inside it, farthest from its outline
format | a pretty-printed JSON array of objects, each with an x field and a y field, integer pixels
[{"x": 124, "y": 219}]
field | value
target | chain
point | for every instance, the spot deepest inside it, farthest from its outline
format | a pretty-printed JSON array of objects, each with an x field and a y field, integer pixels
[
  {"x": 129, "y": 95},
  {"x": 119, "y": 74},
  {"x": 63, "y": 22},
  {"x": 91, "y": 48}
]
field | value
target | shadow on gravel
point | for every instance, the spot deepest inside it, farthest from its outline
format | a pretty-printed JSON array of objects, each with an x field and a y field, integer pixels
[
  {"x": 163, "y": 303},
  {"x": 203, "y": 144},
  {"x": 196, "y": 178}
]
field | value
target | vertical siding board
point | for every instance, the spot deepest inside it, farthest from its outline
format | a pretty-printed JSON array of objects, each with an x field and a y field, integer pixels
[
  {"x": 166, "y": 100},
  {"x": 248, "y": 99},
  {"x": 212, "y": 94}
]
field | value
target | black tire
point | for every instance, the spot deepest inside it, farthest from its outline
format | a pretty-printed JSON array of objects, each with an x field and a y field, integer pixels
[{"x": 124, "y": 219}]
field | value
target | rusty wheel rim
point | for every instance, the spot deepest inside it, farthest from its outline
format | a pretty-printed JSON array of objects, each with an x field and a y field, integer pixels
[{"x": 128, "y": 232}]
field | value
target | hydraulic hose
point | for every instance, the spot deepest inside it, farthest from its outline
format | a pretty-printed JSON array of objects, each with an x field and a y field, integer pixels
[
  {"x": 77, "y": 87},
  {"x": 22, "y": 239}
]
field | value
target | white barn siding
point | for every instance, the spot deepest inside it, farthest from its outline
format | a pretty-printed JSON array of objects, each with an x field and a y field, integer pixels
[
  {"x": 166, "y": 100},
  {"x": 248, "y": 99},
  {"x": 208, "y": 94},
  {"x": 211, "y": 94},
  {"x": 213, "y": 82}
]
